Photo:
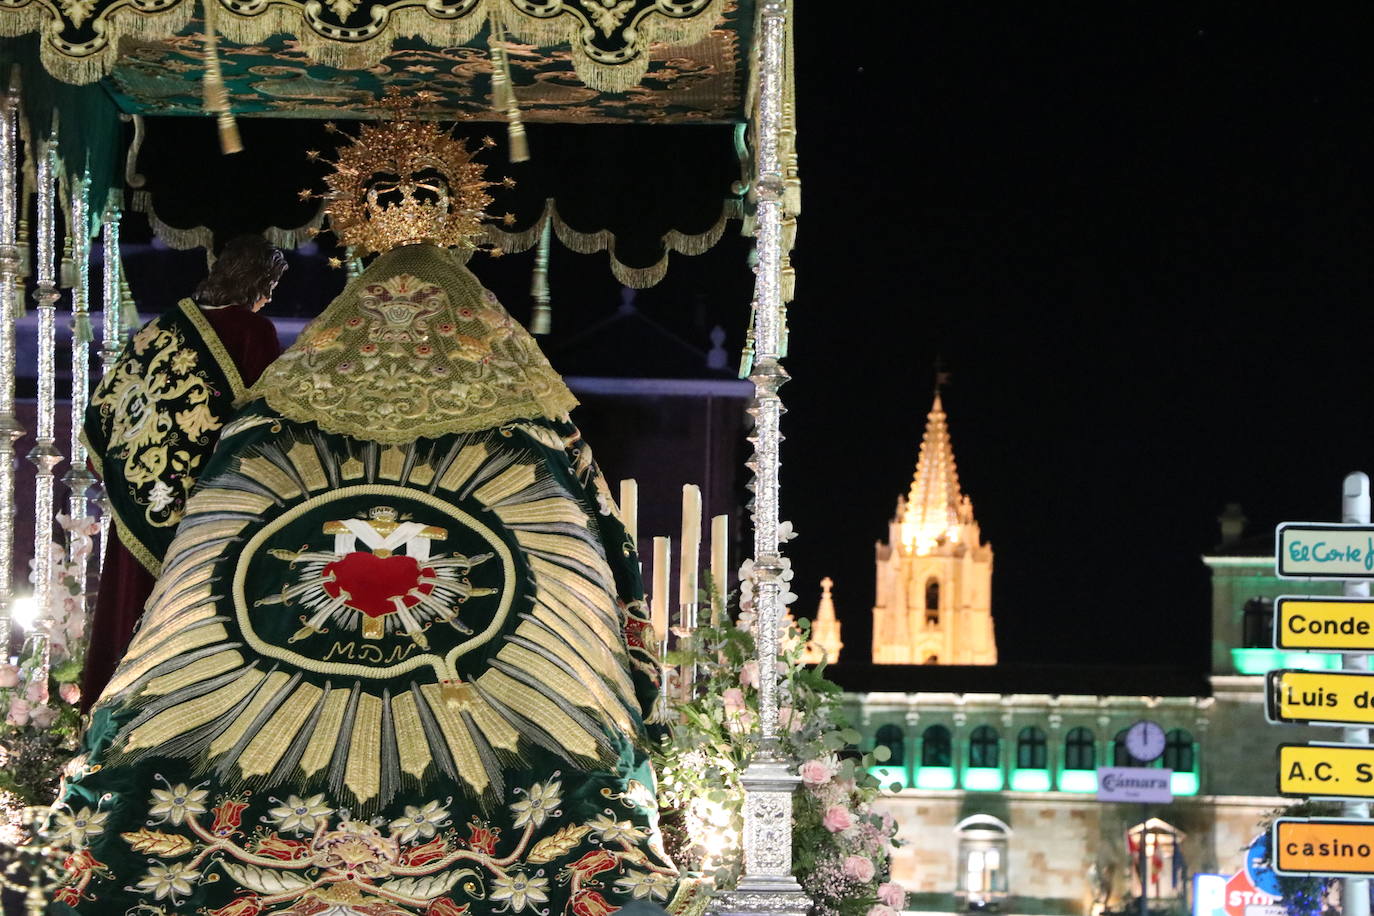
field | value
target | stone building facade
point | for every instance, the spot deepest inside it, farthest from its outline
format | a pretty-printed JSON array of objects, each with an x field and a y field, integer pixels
[{"x": 993, "y": 769}]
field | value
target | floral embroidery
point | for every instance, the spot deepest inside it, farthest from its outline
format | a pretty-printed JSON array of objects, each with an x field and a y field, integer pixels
[
  {"x": 174, "y": 804},
  {"x": 541, "y": 800},
  {"x": 156, "y": 410},
  {"x": 414, "y": 864},
  {"x": 518, "y": 890},
  {"x": 420, "y": 822},
  {"x": 300, "y": 816},
  {"x": 77, "y": 828}
]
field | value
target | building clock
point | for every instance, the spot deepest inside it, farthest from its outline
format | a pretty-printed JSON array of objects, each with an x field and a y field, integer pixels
[{"x": 1145, "y": 740}]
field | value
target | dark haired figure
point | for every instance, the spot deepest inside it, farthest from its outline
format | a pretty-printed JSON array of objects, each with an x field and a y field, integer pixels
[{"x": 154, "y": 420}]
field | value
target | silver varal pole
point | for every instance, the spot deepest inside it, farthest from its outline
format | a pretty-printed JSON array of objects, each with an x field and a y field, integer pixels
[
  {"x": 770, "y": 779},
  {"x": 111, "y": 337},
  {"x": 45, "y": 456},
  {"x": 1355, "y": 509},
  {"x": 79, "y": 479},
  {"x": 11, "y": 269}
]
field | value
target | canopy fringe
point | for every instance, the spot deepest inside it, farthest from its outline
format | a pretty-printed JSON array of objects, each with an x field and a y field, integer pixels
[
  {"x": 204, "y": 237},
  {"x": 605, "y": 240},
  {"x": 436, "y": 23}
]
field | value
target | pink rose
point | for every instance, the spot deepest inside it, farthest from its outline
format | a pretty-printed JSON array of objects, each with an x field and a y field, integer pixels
[
  {"x": 749, "y": 674},
  {"x": 734, "y": 701},
  {"x": 837, "y": 818},
  {"x": 70, "y": 693},
  {"x": 37, "y": 690},
  {"x": 790, "y": 719},
  {"x": 860, "y": 868},
  {"x": 43, "y": 716},
  {"x": 19, "y": 712},
  {"x": 816, "y": 772},
  {"x": 892, "y": 894},
  {"x": 881, "y": 910},
  {"x": 9, "y": 676}
]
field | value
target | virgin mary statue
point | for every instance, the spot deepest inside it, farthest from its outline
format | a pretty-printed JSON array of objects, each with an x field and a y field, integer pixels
[{"x": 395, "y": 663}]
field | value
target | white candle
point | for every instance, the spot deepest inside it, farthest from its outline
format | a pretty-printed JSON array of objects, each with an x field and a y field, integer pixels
[
  {"x": 720, "y": 560},
  {"x": 662, "y": 571},
  {"x": 691, "y": 550},
  {"x": 629, "y": 509}
]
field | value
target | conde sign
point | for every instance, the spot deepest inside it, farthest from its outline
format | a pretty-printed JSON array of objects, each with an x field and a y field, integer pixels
[
  {"x": 1348, "y": 626},
  {"x": 1324, "y": 552}
]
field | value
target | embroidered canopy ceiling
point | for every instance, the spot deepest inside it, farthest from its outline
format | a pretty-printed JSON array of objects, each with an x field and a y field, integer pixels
[{"x": 85, "y": 64}]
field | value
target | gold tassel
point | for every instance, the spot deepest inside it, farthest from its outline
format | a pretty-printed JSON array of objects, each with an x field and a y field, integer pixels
[
  {"x": 541, "y": 322},
  {"x": 746, "y": 357},
  {"x": 66, "y": 270},
  {"x": 503, "y": 94},
  {"x": 215, "y": 92}
]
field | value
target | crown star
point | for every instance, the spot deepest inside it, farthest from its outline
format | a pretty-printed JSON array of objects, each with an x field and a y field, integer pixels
[{"x": 405, "y": 181}]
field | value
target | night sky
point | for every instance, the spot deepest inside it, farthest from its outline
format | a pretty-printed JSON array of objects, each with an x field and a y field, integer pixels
[{"x": 1139, "y": 235}]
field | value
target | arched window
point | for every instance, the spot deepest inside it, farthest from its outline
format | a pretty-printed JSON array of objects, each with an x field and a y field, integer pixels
[
  {"x": 1080, "y": 751},
  {"x": 935, "y": 747},
  {"x": 933, "y": 602},
  {"x": 1122, "y": 757},
  {"x": 1178, "y": 751},
  {"x": 1258, "y": 624},
  {"x": 982, "y": 860},
  {"x": 894, "y": 739},
  {"x": 982, "y": 747},
  {"x": 1032, "y": 751}
]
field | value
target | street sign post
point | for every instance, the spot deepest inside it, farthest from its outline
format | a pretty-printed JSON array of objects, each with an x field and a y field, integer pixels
[
  {"x": 1319, "y": 697},
  {"x": 1317, "y": 770},
  {"x": 1324, "y": 624},
  {"x": 1338, "y": 847},
  {"x": 1324, "y": 550},
  {"x": 1241, "y": 894}
]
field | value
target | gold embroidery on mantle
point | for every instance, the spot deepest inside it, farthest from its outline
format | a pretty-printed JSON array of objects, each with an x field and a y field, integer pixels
[{"x": 414, "y": 347}]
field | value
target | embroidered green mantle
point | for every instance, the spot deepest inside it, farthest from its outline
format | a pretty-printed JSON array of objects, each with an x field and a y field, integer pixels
[
  {"x": 149, "y": 424},
  {"x": 383, "y": 679}
]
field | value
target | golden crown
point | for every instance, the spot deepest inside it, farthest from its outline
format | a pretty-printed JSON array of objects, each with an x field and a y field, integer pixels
[{"x": 404, "y": 181}]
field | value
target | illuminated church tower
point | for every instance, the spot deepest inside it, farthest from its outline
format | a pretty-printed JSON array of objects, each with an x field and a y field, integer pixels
[{"x": 934, "y": 603}]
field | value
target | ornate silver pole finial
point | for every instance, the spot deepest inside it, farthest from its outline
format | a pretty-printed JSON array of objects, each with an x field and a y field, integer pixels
[
  {"x": 11, "y": 286},
  {"x": 770, "y": 779},
  {"x": 44, "y": 455},
  {"x": 112, "y": 333},
  {"x": 79, "y": 479}
]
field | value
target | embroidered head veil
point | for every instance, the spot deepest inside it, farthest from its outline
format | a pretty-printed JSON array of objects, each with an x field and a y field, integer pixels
[{"x": 414, "y": 347}]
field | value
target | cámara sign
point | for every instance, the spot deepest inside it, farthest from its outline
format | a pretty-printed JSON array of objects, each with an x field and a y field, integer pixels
[
  {"x": 1323, "y": 846},
  {"x": 1317, "y": 550},
  {"x": 1134, "y": 784},
  {"x": 1324, "y": 624}
]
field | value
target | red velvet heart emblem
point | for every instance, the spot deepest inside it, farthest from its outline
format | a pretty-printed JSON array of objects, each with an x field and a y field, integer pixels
[{"x": 372, "y": 581}]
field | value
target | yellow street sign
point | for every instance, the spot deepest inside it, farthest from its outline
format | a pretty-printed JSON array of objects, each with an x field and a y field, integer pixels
[
  {"x": 1319, "y": 697},
  {"x": 1328, "y": 624},
  {"x": 1323, "y": 846},
  {"x": 1326, "y": 770}
]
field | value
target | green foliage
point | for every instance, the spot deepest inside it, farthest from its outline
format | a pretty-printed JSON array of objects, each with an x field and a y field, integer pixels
[{"x": 1303, "y": 895}]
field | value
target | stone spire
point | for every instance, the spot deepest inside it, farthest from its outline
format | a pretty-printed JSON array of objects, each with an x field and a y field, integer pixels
[
  {"x": 825, "y": 642},
  {"x": 935, "y": 508}
]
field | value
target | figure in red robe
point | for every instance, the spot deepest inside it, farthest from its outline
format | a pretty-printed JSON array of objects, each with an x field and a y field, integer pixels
[{"x": 154, "y": 421}]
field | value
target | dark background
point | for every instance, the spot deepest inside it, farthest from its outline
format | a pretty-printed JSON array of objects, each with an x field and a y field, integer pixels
[{"x": 1139, "y": 236}]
